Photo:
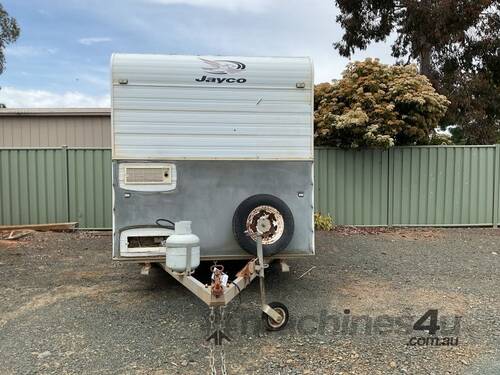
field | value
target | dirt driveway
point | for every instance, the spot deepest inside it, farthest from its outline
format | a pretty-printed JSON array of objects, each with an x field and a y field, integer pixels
[{"x": 66, "y": 308}]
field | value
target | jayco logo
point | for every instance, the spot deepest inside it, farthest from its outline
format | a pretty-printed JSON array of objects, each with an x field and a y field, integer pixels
[{"x": 222, "y": 67}]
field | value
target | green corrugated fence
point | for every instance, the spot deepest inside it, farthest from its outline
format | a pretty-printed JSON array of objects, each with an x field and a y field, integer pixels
[
  {"x": 423, "y": 185},
  {"x": 89, "y": 187},
  {"x": 405, "y": 186},
  {"x": 55, "y": 185},
  {"x": 33, "y": 186},
  {"x": 352, "y": 186}
]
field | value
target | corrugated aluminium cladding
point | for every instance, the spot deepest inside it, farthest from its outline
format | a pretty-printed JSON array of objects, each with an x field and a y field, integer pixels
[
  {"x": 163, "y": 108},
  {"x": 428, "y": 185}
]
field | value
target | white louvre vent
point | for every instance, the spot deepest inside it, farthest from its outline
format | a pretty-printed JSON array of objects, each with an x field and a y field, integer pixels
[
  {"x": 147, "y": 176},
  {"x": 152, "y": 175}
]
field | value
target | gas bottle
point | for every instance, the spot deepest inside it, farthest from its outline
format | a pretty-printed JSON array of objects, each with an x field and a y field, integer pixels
[{"x": 181, "y": 245}]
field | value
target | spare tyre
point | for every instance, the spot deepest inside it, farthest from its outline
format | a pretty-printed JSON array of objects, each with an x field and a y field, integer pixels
[{"x": 275, "y": 223}]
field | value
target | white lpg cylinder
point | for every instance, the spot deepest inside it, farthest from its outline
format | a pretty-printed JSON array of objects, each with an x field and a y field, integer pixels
[{"x": 178, "y": 245}]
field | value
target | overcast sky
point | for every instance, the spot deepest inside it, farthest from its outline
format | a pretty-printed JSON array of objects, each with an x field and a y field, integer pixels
[{"x": 62, "y": 56}]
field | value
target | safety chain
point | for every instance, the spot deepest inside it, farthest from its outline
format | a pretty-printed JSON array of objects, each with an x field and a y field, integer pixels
[
  {"x": 222, "y": 326},
  {"x": 216, "y": 338},
  {"x": 211, "y": 343}
]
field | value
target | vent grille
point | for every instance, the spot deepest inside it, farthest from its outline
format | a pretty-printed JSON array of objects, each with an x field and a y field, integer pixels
[{"x": 136, "y": 175}]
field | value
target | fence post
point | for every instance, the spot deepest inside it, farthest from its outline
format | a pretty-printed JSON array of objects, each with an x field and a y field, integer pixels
[
  {"x": 390, "y": 186},
  {"x": 65, "y": 198},
  {"x": 496, "y": 185}
]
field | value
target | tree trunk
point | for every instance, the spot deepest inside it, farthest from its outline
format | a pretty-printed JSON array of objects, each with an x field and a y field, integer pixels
[{"x": 425, "y": 62}]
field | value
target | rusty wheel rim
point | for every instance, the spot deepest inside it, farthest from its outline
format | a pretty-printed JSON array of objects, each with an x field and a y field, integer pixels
[
  {"x": 270, "y": 222},
  {"x": 273, "y": 323}
]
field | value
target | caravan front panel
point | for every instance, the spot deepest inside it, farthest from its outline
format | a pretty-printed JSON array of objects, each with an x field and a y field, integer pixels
[{"x": 195, "y": 136}]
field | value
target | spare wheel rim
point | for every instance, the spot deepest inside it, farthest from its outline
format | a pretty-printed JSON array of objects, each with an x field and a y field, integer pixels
[{"x": 270, "y": 222}]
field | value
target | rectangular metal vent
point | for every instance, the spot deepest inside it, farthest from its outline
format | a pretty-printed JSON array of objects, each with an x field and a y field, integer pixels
[{"x": 149, "y": 175}]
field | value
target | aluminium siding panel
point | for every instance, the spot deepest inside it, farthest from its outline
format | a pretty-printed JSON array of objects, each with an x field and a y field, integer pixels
[
  {"x": 179, "y": 70},
  {"x": 172, "y": 94},
  {"x": 163, "y": 112}
]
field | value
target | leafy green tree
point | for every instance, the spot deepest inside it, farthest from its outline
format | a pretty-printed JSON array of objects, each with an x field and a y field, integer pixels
[
  {"x": 377, "y": 105},
  {"x": 456, "y": 43},
  {"x": 9, "y": 32}
]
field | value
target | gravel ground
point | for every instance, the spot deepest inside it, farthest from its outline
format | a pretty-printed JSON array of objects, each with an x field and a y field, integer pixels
[{"x": 66, "y": 308}]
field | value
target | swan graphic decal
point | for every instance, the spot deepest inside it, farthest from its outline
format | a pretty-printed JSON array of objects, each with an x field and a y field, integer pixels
[{"x": 222, "y": 66}]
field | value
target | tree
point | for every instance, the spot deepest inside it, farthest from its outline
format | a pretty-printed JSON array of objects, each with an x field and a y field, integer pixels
[
  {"x": 9, "y": 32},
  {"x": 469, "y": 75},
  {"x": 455, "y": 43},
  {"x": 377, "y": 105}
]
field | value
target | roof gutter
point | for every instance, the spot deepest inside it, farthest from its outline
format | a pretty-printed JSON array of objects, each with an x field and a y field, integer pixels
[{"x": 51, "y": 112}]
